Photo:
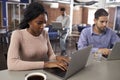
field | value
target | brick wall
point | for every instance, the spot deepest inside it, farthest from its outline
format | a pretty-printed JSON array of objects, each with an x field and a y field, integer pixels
[{"x": 111, "y": 11}]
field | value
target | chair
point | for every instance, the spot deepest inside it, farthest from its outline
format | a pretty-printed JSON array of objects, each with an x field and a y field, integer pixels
[
  {"x": 4, "y": 40},
  {"x": 54, "y": 37},
  {"x": 80, "y": 28},
  {"x": 3, "y": 62}
]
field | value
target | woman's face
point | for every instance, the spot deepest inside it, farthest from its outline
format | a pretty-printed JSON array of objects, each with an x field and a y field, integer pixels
[{"x": 37, "y": 25}]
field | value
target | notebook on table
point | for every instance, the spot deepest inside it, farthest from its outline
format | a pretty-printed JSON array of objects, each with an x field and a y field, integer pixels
[
  {"x": 78, "y": 61},
  {"x": 115, "y": 52}
]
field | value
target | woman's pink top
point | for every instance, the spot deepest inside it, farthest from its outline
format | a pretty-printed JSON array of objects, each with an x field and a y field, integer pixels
[{"x": 27, "y": 51}]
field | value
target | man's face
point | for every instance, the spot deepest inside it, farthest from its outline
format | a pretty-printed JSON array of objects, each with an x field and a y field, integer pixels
[
  {"x": 62, "y": 13},
  {"x": 101, "y": 23}
]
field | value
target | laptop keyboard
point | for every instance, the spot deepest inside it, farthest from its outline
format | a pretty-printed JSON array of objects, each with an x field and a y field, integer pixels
[
  {"x": 56, "y": 71},
  {"x": 105, "y": 56}
]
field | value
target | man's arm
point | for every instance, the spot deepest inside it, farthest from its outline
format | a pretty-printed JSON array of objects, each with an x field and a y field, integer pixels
[
  {"x": 115, "y": 38},
  {"x": 67, "y": 22},
  {"x": 83, "y": 41}
]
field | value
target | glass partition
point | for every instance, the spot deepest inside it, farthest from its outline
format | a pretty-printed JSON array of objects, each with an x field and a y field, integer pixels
[{"x": 15, "y": 14}]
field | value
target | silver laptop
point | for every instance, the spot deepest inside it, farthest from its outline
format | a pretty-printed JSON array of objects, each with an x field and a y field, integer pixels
[
  {"x": 57, "y": 25},
  {"x": 77, "y": 63},
  {"x": 115, "y": 52}
]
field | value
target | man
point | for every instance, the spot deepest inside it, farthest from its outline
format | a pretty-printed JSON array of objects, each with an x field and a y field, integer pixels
[
  {"x": 101, "y": 37},
  {"x": 65, "y": 20}
]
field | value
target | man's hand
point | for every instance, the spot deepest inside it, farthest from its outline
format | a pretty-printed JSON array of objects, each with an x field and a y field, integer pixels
[{"x": 104, "y": 51}]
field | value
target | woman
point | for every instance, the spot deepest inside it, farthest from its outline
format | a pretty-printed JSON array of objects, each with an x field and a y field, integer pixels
[{"x": 30, "y": 45}]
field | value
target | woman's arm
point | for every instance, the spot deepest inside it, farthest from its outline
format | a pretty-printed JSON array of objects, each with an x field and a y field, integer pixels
[{"x": 51, "y": 53}]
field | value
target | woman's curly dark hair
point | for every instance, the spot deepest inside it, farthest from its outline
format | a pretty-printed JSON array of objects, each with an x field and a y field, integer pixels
[{"x": 31, "y": 12}]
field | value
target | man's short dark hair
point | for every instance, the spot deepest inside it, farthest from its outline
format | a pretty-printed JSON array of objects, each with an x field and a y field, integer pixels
[
  {"x": 100, "y": 12},
  {"x": 62, "y": 9}
]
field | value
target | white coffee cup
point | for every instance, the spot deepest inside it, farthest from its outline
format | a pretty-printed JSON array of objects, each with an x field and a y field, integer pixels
[
  {"x": 98, "y": 56},
  {"x": 36, "y": 76}
]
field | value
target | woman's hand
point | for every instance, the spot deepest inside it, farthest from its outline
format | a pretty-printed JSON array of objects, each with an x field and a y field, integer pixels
[
  {"x": 63, "y": 59},
  {"x": 56, "y": 64},
  {"x": 61, "y": 62}
]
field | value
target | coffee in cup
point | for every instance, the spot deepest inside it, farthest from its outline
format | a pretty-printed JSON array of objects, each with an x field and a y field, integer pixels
[{"x": 35, "y": 76}]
